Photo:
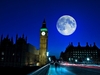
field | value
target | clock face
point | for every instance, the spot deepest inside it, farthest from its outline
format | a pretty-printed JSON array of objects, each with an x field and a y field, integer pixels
[{"x": 43, "y": 33}]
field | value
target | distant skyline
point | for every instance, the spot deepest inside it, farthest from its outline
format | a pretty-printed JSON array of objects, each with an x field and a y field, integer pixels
[{"x": 26, "y": 17}]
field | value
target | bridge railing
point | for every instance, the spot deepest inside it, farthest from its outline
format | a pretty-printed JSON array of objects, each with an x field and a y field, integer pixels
[{"x": 42, "y": 71}]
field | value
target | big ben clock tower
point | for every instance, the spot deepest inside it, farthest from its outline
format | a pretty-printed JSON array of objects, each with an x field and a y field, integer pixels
[{"x": 43, "y": 44}]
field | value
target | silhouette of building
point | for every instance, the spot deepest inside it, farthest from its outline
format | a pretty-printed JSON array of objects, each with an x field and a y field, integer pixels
[
  {"x": 81, "y": 54},
  {"x": 17, "y": 54},
  {"x": 21, "y": 53}
]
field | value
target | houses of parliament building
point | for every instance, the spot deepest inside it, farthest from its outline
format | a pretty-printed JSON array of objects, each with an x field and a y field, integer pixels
[
  {"x": 21, "y": 53},
  {"x": 81, "y": 54}
]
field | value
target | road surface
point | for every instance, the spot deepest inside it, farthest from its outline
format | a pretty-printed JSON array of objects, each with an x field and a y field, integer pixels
[{"x": 73, "y": 70}]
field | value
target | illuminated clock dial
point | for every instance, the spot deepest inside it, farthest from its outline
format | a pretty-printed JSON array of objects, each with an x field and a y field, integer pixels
[{"x": 43, "y": 33}]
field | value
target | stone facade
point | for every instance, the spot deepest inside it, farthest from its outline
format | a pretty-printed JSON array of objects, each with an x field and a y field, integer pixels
[{"x": 43, "y": 59}]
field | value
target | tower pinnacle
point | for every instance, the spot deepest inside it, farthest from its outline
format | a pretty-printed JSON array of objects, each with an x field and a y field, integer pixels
[{"x": 44, "y": 24}]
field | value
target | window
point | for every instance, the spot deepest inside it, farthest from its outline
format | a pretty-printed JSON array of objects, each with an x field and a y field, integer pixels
[
  {"x": 96, "y": 51},
  {"x": 2, "y": 58},
  {"x": 13, "y": 54},
  {"x": 2, "y": 53}
]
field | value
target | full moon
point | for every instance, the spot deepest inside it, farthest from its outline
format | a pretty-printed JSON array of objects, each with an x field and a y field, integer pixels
[{"x": 66, "y": 25}]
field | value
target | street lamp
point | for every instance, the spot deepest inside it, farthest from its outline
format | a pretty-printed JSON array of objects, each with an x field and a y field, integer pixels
[
  {"x": 88, "y": 59},
  {"x": 75, "y": 60},
  {"x": 47, "y": 53},
  {"x": 49, "y": 58}
]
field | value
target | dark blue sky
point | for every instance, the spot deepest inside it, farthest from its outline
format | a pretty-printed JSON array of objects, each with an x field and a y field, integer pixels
[{"x": 26, "y": 16}]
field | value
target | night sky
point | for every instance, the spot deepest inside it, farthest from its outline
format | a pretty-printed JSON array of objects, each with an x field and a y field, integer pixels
[{"x": 26, "y": 17}]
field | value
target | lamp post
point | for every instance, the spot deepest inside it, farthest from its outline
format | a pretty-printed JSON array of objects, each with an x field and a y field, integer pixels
[
  {"x": 88, "y": 59},
  {"x": 47, "y": 54},
  {"x": 47, "y": 57}
]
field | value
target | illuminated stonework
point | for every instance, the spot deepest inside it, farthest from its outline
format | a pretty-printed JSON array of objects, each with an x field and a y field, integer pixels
[
  {"x": 43, "y": 29},
  {"x": 43, "y": 45}
]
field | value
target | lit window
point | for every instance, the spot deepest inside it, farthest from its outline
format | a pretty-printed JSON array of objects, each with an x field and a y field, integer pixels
[
  {"x": 2, "y": 58},
  {"x": 13, "y": 54},
  {"x": 2, "y": 53}
]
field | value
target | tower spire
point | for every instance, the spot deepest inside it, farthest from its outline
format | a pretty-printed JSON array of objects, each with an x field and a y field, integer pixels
[
  {"x": 12, "y": 39},
  {"x": 44, "y": 24}
]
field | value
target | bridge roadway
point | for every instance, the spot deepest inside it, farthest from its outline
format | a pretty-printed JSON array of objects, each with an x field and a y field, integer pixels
[
  {"x": 66, "y": 70},
  {"x": 51, "y": 70}
]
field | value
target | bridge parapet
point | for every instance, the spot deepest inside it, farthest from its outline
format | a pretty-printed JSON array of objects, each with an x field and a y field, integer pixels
[{"x": 42, "y": 71}]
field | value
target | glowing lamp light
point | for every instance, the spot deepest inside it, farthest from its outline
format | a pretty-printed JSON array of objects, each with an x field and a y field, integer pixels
[
  {"x": 49, "y": 59},
  {"x": 47, "y": 53},
  {"x": 88, "y": 59},
  {"x": 43, "y": 29},
  {"x": 37, "y": 64},
  {"x": 75, "y": 60}
]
